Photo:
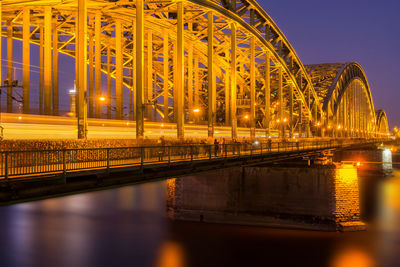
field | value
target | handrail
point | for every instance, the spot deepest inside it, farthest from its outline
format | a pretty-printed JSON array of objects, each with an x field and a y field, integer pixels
[{"x": 64, "y": 161}]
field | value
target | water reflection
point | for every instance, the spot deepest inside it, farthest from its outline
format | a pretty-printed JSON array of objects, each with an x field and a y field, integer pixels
[{"x": 128, "y": 227}]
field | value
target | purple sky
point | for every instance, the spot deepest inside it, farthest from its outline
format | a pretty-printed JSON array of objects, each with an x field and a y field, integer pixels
[{"x": 367, "y": 32}]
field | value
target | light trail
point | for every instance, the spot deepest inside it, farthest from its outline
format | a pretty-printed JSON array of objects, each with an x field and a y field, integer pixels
[{"x": 24, "y": 126}]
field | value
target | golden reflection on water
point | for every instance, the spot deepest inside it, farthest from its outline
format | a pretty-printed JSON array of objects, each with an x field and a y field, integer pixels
[
  {"x": 171, "y": 255},
  {"x": 353, "y": 257},
  {"x": 347, "y": 173}
]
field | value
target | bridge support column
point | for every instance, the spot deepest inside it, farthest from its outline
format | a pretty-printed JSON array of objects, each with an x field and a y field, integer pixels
[
  {"x": 300, "y": 120},
  {"x": 211, "y": 76},
  {"x": 309, "y": 118},
  {"x": 118, "y": 70},
  {"x": 252, "y": 89},
  {"x": 26, "y": 59},
  {"x": 41, "y": 69},
  {"x": 109, "y": 82},
  {"x": 291, "y": 111},
  {"x": 232, "y": 82},
  {"x": 47, "y": 60},
  {"x": 55, "y": 96},
  {"x": 9, "y": 66},
  {"x": 280, "y": 95},
  {"x": 149, "y": 74},
  {"x": 81, "y": 69},
  {"x": 133, "y": 68},
  {"x": 267, "y": 94},
  {"x": 190, "y": 77},
  {"x": 139, "y": 67},
  {"x": 165, "y": 78},
  {"x": 97, "y": 65},
  {"x": 91, "y": 97},
  {"x": 196, "y": 84},
  {"x": 180, "y": 73}
]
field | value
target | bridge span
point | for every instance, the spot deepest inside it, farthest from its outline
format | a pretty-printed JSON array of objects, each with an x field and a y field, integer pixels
[{"x": 209, "y": 68}]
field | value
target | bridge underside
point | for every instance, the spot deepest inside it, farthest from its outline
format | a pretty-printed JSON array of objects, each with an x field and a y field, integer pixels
[{"x": 203, "y": 63}]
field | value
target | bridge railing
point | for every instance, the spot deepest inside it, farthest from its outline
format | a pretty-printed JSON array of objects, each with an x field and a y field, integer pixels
[{"x": 48, "y": 162}]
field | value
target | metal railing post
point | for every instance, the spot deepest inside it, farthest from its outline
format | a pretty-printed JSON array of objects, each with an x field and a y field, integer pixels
[
  {"x": 209, "y": 150},
  {"x": 64, "y": 165},
  {"x": 108, "y": 160},
  {"x": 141, "y": 158},
  {"x": 169, "y": 156},
  {"x": 191, "y": 153},
  {"x": 226, "y": 150},
  {"x": 6, "y": 165}
]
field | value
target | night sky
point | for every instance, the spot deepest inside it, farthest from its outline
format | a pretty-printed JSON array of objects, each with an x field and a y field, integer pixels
[{"x": 367, "y": 32}]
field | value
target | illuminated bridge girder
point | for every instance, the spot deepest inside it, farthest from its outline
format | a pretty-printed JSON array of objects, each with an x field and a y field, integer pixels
[{"x": 202, "y": 62}]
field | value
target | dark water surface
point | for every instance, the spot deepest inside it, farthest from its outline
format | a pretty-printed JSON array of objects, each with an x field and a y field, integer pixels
[{"x": 128, "y": 227}]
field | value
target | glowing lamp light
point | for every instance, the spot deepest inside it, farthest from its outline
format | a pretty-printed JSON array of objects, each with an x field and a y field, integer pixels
[
  {"x": 318, "y": 124},
  {"x": 284, "y": 120},
  {"x": 256, "y": 142},
  {"x": 20, "y": 118},
  {"x": 246, "y": 117},
  {"x": 196, "y": 110},
  {"x": 162, "y": 124},
  {"x": 278, "y": 120},
  {"x": 358, "y": 164},
  {"x": 102, "y": 98},
  {"x": 339, "y": 127}
]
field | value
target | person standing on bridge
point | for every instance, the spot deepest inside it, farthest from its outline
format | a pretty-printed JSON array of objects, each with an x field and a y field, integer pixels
[
  {"x": 269, "y": 144},
  {"x": 216, "y": 147}
]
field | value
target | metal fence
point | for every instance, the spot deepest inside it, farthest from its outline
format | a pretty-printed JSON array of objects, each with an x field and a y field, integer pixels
[{"x": 25, "y": 163}]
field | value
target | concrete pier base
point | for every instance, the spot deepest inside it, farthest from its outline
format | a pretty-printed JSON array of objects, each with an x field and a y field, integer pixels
[{"x": 316, "y": 198}]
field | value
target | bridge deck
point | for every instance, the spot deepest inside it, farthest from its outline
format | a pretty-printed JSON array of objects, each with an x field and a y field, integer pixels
[{"x": 24, "y": 164}]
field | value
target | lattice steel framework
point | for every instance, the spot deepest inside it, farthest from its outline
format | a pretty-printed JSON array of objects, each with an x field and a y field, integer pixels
[{"x": 214, "y": 62}]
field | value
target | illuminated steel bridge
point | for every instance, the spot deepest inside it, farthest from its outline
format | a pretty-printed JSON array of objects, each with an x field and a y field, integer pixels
[{"x": 199, "y": 62}]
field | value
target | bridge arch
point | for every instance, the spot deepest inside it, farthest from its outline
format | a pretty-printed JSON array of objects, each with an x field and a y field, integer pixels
[
  {"x": 214, "y": 64},
  {"x": 347, "y": 101},
  {"x": 382, "y": 126}
]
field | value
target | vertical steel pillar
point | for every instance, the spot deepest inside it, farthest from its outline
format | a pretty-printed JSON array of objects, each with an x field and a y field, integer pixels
[
  {"x": 227, "y": 91},
  {"x": 91, "y": 97},
  {"x": 47, "y": 60},
  {"x": 165, "y": 76},
  {"x": 232, "y": 83},
  {"x": 55, "y": 96},
  {"x": 41, "y": 63},
  {"x": 196, "y": 81},
  {"x": 109, "y": 82},
  {"x": 149, "y": 75},
  {"x": 190, "y": 75},
  {"x": 25, "y": 59},
  {"x": 190, "y": 80},
  {"x": 300, "y": 119},
  {"x": 309, "y": 114},
  {"x": 211, "y": 76},
  {"x": 82, "y": 70},
  {"x": 267, "y": 94},
  {"x": 280, "y": 97},
  {"x": 139, "y": 67},
  {"x": 97, "y": 64},
  {"x": 181, "y": 73},
  {"x": 134, "y": 72},
  {"x": 1, "y": 76},
  {"x": 252, "y": 89},
  {"x": 290, "y": 111},
  {"x": 9, "y": 66},
  {"x": 118, "y": 70}
]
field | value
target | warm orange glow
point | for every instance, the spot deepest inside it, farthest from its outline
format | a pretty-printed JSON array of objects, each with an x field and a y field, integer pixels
[
  {"x": 196, "y": 110},
  {"x": 339, "y": 127},
  {"x": 102, "y": 98},
  {"x": 284, "y": 120},
  {"x": 353, "y": 258},
  {"x": 358, "y": 164},
  {"x": 20, "y": 118},
  {"x": 246, "y": 117},
  {"x": 171, "y": 255}
]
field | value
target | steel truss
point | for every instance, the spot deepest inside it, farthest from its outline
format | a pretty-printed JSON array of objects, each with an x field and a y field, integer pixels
[{"x": 199, "y": 61}]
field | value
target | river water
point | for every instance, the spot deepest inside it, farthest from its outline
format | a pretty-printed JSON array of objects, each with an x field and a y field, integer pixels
[{"x": 128, "y": 227}]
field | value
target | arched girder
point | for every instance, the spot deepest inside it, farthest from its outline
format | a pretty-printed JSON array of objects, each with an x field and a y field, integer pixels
[
  {"x": 382, "y": 126},
  {"x": 335, "y": 83}
]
